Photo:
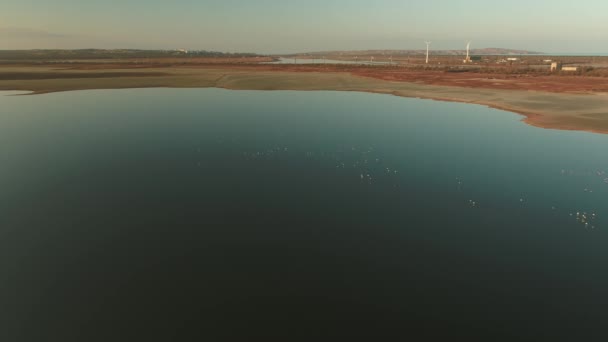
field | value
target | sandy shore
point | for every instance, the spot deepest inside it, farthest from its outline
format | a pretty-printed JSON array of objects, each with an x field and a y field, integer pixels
[{"x": 566, "y": 111}]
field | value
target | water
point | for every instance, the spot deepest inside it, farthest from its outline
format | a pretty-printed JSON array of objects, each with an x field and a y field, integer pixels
[
  {"x": 578, "y": 54},
  {"x": 362, "y": 61},
  {"x": 208, "y": 214}
]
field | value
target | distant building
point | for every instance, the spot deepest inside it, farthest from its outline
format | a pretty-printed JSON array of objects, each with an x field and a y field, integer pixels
[
  {"x": 556, "y": 66},
  {"x": 512, "y": 59},
  {"x": 570, "y": 68}
]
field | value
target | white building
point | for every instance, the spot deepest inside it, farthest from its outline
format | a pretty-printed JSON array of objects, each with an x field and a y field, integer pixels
[
  {"x": 570, "y": 68},
  {"x": 556, "y": 66}
]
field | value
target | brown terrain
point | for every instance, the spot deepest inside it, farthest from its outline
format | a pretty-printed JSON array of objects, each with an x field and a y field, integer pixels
[
  {"x": 469, "y": 79},
  {"x": 560, "y": 101}
]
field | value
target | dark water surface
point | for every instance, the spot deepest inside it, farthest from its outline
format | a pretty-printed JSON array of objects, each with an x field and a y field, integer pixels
[{"x": 213, "y": 215}]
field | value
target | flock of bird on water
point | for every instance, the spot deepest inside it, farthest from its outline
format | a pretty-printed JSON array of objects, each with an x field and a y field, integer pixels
[{"x": 370, "y": 169}]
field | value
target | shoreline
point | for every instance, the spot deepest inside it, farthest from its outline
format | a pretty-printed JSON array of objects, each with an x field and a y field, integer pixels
[{"x": 563, "y": 111}]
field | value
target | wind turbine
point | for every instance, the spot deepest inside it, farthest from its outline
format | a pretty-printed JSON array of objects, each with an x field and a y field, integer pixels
[
  {"x": 468, "y": 59},
  {"x": 428, "y": 45}
]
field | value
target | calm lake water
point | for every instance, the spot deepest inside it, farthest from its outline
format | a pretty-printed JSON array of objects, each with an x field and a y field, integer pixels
[{"x": 216, "y": 215}]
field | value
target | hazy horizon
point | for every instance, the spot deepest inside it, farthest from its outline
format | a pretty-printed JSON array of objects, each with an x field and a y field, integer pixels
[{"x": 277, "y": 27}]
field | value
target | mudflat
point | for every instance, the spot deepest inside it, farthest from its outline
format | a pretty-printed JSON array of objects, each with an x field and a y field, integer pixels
[{"x": 558, "y": 107}]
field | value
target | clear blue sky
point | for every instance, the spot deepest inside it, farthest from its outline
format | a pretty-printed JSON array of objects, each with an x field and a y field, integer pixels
[{"x": 273, "y": 26}]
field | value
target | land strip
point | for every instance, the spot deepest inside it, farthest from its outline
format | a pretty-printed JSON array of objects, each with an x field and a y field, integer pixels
[{"x": 556, "y": 102}]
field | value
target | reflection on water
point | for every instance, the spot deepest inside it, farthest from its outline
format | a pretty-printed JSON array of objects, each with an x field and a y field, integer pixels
[
  {"x": 220, "y": 215},
  {"x": 13, "y": 93}
]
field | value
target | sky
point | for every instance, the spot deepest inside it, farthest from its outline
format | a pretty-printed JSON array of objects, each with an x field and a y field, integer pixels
[{"x": 273, "y": 26}]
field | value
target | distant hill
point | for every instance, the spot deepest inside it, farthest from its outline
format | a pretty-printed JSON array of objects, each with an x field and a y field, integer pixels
[
  {"x": 110, "y": 54},
  {"x": 484, "y": 51}
]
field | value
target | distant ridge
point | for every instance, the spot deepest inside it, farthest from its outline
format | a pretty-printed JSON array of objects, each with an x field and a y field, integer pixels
[{"x": 62, "y": 54}]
